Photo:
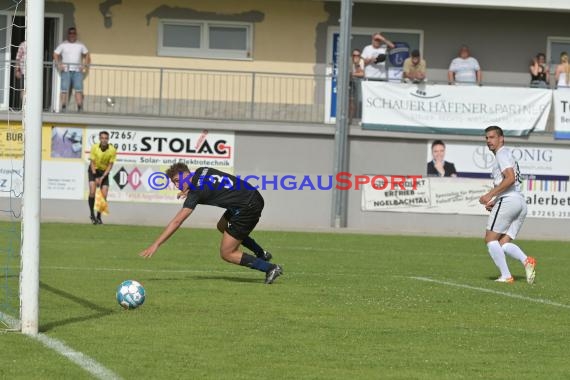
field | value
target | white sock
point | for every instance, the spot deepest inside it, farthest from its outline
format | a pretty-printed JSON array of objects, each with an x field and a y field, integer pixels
[
  {"x": 498, "y": 256},
  {"x": 514, "y": 251}
]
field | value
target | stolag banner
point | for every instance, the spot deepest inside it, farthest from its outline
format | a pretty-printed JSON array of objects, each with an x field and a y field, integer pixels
[
  {"x": 429, "y": 108},
  {"x": 143, "y": 153}
]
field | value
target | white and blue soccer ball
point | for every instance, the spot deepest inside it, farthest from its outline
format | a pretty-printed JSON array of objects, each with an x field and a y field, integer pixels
[{"x": 130, "y": 294}]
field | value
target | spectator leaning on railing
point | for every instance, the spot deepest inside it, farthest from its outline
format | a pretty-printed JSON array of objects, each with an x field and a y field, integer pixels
[
  {"x": 375, "y": 55},
  {"x": 562, "y": 73},
  {"x": 72, "y": 59},
  {"x": 414, "y": 68},
  {"x": 539, "y": 75},
  {"x": 464, "y": 69}
]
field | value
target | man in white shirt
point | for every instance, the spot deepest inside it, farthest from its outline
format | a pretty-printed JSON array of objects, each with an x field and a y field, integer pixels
[
  {"x": 508, "y": 209},
  {"x": 375, "y": 55},
  {"x": 72, "y": 59},
  {"x": 464, "y": 69}
]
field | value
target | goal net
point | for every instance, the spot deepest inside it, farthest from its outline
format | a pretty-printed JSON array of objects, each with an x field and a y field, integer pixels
[{"x": 12, "y": 34}]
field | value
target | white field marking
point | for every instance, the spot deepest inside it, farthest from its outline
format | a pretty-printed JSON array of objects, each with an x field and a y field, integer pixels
[
  {"x": 506, "y": 294},
  {"x": 82, "y": 360},
  {"x": 11, "y": 322}
]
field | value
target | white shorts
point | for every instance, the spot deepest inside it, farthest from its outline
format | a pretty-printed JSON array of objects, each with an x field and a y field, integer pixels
[{"x": 508, "y": 215}]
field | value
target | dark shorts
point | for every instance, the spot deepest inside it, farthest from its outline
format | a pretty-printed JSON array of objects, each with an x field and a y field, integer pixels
[
  {"x": 98, "y": 174},
  {"x": 243, "y": 220}
]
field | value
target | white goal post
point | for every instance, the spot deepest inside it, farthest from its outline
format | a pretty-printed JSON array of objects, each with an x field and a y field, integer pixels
[{"x": 32, "y": 123}]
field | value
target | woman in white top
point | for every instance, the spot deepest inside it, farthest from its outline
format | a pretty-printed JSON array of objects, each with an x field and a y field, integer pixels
[{"x": 562, "y": 73}]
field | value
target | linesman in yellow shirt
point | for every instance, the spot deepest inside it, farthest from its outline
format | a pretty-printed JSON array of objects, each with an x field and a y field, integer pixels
[{"x": 102, "y": 157}]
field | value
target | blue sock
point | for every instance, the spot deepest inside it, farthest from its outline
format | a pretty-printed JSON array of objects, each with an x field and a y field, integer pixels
[
  {"x": 255, "y": 263},
  {"x": 249, "y": 243}
]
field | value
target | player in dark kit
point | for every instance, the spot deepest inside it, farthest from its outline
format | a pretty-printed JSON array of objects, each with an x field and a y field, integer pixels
[{"x": 243, "y": 206}]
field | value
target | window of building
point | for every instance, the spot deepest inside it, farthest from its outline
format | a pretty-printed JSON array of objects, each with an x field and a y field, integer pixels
[
  {"x": 406, "y": 40},
  {"x": 205, "y": 39},
  {"x": 556, "y": 46}
]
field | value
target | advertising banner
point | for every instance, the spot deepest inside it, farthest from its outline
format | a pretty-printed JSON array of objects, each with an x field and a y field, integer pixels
[
  {"x": 535, "y": 161},
  {"x": 194, "y": 148},
  {"x": 144, "y": 155},
  {"x": 446, "y": 195},
  {"x": 433, "y": 195},
  {"x": 63, "y": 169},
  {"x": 427, "y": 108},
  {"x": 11, "y": 140},
  {"x": 141, "y": 183},
  {"x": 11, "y": 178},
  {"x": 138, "y": 173},
  {"x": 547, "y": 198},
  {"x": 63, "y": 180},
  {"x": 561, "y": 99}
]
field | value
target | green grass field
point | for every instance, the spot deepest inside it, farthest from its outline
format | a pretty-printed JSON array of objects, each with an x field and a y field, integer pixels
[{"x": 349, "y": 306}]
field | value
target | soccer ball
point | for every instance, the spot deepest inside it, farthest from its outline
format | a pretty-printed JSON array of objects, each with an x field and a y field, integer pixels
[{"x": 130, "y": 294}]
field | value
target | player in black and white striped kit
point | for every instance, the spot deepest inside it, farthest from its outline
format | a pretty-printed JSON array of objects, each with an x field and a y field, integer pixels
[{"x": 508, "y": 209}]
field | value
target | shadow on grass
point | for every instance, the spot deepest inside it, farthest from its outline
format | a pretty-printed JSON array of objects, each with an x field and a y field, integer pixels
[
  {"x": 205, "y": 277},
  {"x": 230, "y": 279},
  {"x": 99, "y": 311},
  {"x": 517, "y": 278}
]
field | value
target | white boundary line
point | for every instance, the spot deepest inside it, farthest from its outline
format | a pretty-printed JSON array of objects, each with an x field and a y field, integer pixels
[
  {"x": 484, "y": 290},
  {"x": 79, "y": 358},
  {"x": 82, "y": 360}
]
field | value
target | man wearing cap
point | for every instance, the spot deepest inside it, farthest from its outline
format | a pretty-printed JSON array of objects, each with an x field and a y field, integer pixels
[
  {"x": 414, "y": 68},
  {"x": 374, "y": 56}
]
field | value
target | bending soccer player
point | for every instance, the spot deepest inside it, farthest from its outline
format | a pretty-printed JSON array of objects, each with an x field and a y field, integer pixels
[
  {"x": 508, "y": 209},
  {"x": 243, "y": 206}
]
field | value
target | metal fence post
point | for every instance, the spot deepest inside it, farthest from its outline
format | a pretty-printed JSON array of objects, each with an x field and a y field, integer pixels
[
  {"x": 160, "y": 92},
  {"x": 341, "y": 154},
  {"x": 252, "y": 105}
]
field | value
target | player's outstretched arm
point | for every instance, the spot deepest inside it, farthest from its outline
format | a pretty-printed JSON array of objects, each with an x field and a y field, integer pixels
[{"x": 170, "y": 229}]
